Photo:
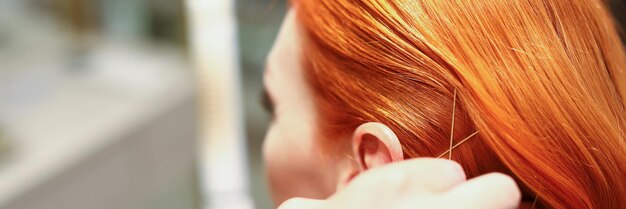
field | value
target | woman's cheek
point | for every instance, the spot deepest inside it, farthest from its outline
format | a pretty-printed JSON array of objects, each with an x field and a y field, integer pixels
[
  {"x": 273, "y": 167},
  {"x": 267, "y": 148},
  {"x": 276, "y": 149},
  {"x": 291, "y": 169}
]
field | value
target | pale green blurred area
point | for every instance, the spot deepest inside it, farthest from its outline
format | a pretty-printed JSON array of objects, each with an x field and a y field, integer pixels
[{"x": 97, "y": 105}]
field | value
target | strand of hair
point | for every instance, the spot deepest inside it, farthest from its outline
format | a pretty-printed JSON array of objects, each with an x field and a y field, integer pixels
[{"x": 535, "y": 202}]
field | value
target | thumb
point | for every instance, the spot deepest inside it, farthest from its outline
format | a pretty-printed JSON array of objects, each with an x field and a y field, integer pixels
[{"x": 301, "y": 203}]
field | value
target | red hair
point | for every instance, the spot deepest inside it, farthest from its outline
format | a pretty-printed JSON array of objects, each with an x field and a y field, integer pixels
[{"x": 542, "y": 81}]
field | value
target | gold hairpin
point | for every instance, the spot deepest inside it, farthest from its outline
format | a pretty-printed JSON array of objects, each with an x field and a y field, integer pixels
[
  {"x": 452, "y": 125},
  {"x": 457, "y": 145},
  {"x": 449, "y": 151}
]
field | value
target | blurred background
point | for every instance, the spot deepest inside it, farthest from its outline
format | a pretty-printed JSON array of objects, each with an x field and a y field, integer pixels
[{"x": 135, "y": 103}]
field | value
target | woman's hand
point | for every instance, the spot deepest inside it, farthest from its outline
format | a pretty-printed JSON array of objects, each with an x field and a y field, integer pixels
[{"x": 419, "y": 183}]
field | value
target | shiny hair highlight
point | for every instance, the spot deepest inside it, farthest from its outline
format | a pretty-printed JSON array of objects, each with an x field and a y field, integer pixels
[{"x": 542, "y": 81}]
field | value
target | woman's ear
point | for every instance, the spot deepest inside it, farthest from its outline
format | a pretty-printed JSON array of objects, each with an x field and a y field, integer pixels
[{"x": 374, "y": 144}]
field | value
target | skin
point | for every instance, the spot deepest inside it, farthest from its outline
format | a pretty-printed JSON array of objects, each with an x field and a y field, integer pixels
[
  {"x": 422, "y": 183},
  {"x": 294, "y": 167},
  {"x": 302, "y": 176}
]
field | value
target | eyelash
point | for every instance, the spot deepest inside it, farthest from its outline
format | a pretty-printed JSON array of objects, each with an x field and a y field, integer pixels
[{"x": 267, "y": 103}]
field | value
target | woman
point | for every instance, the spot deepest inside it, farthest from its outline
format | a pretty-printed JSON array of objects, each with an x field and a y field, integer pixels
[{"x": 533, "y": 89}]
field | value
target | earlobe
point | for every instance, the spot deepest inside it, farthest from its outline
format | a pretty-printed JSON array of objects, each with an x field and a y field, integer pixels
[{"x": 375, "y": 144}]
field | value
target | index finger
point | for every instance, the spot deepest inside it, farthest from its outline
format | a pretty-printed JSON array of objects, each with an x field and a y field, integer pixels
[
  {"x": 416, "y": 175},
  {"x": 489, "y": 191}
]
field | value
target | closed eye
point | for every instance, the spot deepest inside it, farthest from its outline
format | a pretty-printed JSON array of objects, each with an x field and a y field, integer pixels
[{"x": 266, "y": 102}]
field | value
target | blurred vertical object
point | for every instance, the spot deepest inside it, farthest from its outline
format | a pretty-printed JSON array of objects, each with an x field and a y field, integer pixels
[{"x": 213, "y": 45}]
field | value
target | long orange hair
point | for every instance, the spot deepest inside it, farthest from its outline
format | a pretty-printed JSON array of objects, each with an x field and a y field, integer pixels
[{"x": 543, "y": 83}]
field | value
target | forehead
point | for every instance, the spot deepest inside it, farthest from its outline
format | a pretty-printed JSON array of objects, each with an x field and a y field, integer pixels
[{"x": 283, "y": 62}]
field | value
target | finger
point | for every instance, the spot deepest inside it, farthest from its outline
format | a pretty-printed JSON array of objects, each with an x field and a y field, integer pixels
[
  {"x": 301, "y": 203},
  {"x": 415, "y": 175},
  {"x": 490, "y": 191}
]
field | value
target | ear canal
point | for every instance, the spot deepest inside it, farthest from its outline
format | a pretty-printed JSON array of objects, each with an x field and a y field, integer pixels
[
  {"x": 373, "y": 152},
  {"x": 374, "y": 144}
]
